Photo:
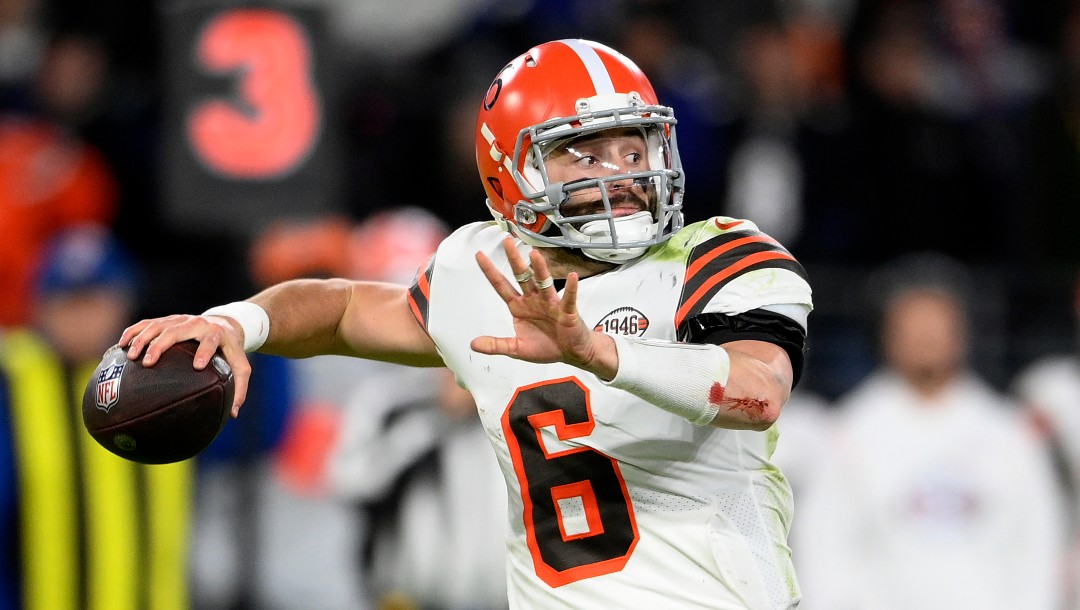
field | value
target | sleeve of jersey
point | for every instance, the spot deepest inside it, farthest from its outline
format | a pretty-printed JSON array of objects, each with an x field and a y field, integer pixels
[
  {"x": 453, "y": 260},
  {"x": 420, "y": 293},
  {"x": 734, "y": 268}
]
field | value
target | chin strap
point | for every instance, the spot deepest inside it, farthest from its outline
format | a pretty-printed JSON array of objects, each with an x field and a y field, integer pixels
[{"x": 499, "y": 218}]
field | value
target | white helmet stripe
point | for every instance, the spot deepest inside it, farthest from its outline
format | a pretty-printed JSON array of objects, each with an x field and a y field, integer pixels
[{"x": 599, "y": 74}]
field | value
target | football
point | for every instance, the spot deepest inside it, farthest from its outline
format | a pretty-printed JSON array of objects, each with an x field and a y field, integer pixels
[{"x": 161, "y": 414}]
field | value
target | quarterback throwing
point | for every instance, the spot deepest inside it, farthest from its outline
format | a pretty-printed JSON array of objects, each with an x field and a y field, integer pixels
[{"x": 628, "y": 370}]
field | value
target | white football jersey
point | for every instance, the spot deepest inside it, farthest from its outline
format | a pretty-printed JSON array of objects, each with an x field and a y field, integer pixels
[
  {"x": 614, "y": 502},
  {"x": 1051, "y": 387},
  {"x": 942, "y": 503}
]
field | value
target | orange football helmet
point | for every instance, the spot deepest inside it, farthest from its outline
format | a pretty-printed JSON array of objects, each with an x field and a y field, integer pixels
[{"x": 562, "y": 90}]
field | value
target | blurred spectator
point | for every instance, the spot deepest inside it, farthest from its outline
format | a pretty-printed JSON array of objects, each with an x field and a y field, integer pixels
[
  {"x": 1049, "y": 389},
  {"x": 309, "y": 557},
  {"x": 21, "y": 43},
  {"x": 371, "y": 455},
  {"x": 289, "y": 248},
  {"x": 239, "y": 541},
  {"x": 390, "y": 244},
  {"x": 943, "y": 99},
  {"x": 413, "y": 456},
  {"x": 95, "y": 87},
  {"x": 80, "y": 527},
  {"x": 687, "y": 79},
  {"x": 71, "y": 82},
  {"x": 767, "y": 173},
  {"x": 935, "y": 494},
  {"x": 390, "y": 32},
  {"x": 48, "y": 182},
  {"x": 234, "y": 537},
  {"x": 791, "y": 144}
]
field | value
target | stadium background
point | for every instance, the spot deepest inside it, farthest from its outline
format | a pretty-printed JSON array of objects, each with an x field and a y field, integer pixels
[{"x": 852, "y": 130}]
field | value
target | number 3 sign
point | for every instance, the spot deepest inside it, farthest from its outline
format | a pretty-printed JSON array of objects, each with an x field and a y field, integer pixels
[
  {"x": 247, "y": 112},
  {"x": 270, "y": 123}
]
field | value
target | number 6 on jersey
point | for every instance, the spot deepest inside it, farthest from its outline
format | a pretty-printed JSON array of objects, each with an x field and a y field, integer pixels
[{"x": 578, "y": 516}]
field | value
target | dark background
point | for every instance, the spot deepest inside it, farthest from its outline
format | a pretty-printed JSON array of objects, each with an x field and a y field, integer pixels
[{"x": 854, "y": 131}]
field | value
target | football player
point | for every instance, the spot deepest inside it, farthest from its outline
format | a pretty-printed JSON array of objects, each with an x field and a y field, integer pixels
[{"x": 628, "y": 370}]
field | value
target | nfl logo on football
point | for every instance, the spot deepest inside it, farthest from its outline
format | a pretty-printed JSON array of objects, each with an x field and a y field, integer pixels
[{"x": 108, "y": 387}]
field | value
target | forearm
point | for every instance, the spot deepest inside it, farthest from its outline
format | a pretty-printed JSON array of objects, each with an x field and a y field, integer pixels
[
  {"x": 758, "y": 387},
  {"x": 305, "y": 316},
  {"x": 742, "y": 387},
  {"x": 350, "y": 318}
]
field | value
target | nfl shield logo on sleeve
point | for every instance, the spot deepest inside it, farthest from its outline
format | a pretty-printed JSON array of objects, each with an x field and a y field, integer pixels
[{"x": 108, "y": 386}]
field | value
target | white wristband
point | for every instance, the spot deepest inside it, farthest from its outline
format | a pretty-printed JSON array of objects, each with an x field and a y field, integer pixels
[
  {"x": 686, "y": 379},
  {"x": 252, "y": 318}
]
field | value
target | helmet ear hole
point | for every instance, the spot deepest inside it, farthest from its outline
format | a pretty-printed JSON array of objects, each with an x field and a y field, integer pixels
[{"x": 496, "y": 186}]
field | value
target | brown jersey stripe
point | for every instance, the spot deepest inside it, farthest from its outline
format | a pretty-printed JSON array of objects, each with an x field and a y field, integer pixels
[
  {"x": 758, "y": 260},
  {"x": 417, "y": 313},
  {"x": 716, "y": 254},
  {"x": 420, "y": 293},
  {"x": 699, "y": 262},
  {"x": 721, "y": 259}
]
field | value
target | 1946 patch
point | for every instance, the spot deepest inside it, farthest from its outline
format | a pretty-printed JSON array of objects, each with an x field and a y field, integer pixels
[{"x": 623, "y": 321}]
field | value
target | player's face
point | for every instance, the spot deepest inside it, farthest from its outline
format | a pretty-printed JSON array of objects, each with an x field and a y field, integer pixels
[{"x": 606, "y": 153}]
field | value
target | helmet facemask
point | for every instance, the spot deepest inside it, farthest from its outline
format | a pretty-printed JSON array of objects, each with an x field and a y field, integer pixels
[{"x": 601, "y": 233}]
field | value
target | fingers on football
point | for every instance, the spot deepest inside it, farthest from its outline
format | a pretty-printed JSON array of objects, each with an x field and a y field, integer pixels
[
  {"x": 153, "y": 337},
  {"x": 241, "y": 370},
  {"x": 130, "y": 333},
  {"x": 209, "y": 344},
  {"x": 217, "y": 335},
  {"x": 144, "y": 338}
]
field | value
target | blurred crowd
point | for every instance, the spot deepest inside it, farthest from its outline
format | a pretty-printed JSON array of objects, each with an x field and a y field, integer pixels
[{"x": 921, "y": 158}]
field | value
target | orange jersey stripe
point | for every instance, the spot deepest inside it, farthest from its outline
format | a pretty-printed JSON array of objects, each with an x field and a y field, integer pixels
[
  {"x": 419, "y": 294},
  {"x": 742, "y": 264},
  {"x": 729, "y": 246},
  {"x": 422, "y": 279},
  {"x": 416, "y": 311}
]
